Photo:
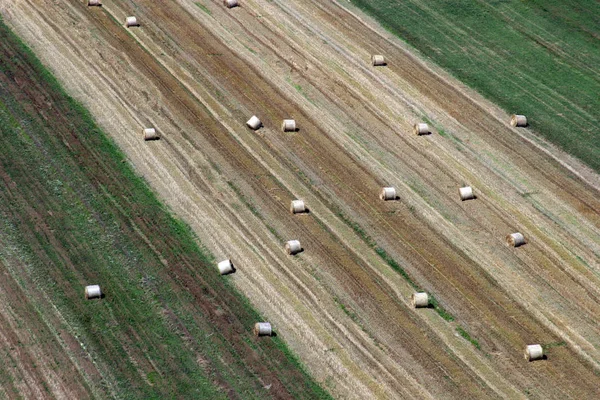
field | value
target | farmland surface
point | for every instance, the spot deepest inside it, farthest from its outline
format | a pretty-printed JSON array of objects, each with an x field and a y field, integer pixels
[
  {"x": 73, "y": 213},
  {"x": 538, "y": 57},
  {"x": 197, "y": 71}
]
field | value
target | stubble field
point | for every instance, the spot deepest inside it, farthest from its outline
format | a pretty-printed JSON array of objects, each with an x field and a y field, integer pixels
[{"x": 198, "y": 71}]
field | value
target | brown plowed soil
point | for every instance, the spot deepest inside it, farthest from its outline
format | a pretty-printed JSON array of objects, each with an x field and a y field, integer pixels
[{"x": 198, "y": 76}]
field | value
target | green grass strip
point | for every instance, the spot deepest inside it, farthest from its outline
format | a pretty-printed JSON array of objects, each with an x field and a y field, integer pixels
[{"x": 462, "y": 332}]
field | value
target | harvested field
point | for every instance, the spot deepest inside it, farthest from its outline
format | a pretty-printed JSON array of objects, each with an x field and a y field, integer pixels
[
  {"x": 196, "y": 71},
  {"x": 73, "y": 213}
]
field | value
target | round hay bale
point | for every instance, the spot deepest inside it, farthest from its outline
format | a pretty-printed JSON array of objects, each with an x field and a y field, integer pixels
[
  {"x": 387, "y": 193},
  {"x": 293, "y": 247},
  {"x": 518, "y": 120},
  {"x": 131, "y": 21},
  {"x": 151, "y": 134},
  {"x": 534, "y": 352},
  {"x": 230, "y": 3},
  {"x": 297, "y": 207},
  {"x": 93, "y": 292},
  {"x": 263, "y": 329},
  {"x": 378, "y": 60},
  {"x": 254, "y": 123},
  {"x": 92, "y": 3},
  {"x": 515, "y": 239},
  {"x": 288, "y": 125},
  {"x": 466, "y": 193},
  {"x": 226, "y": 267},
  {"x": 422, "y": 129},
  {"x": 420, "y": 300}
]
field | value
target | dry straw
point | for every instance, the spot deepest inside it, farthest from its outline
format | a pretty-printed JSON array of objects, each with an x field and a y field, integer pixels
[
  {"x": 93, "y": 292},
  {"x": 263, "y": 329},
  {"x": 466, "y": 193},
  {"x": 534, "y": 352},
  {"x": 151, "y": 134},
  {"x": 288, "y": 125},
  {"x": 421, "y": 129},
  {"x": 515, "y": 239},
  {"x": 293, "y": 247},
  {"x": 254, "y": 123},
  {"x": 420, "y": 300},
  {"x": 518, "y": 120},
  {"x": 131, "y": 21},
  {"x": 378, "y": 60},
  {"x": 226, "y": 267},
  {"x": 387, "y": 193},
  {"x": 297, "y": 207}
]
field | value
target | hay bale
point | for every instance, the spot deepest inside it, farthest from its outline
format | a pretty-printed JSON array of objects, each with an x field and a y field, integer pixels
[
  {"x": 387, "y": 193},
  {"x": 131, "y": 21},
  {"x": 518, "y": 120},
  {"x": 293, "y": 247},
  {"x": 466, "y": 193},
  {"x": 254, "y": 123},
  {"x": 263, "y": 329},
  {"x": 93, "y": 292},
  {"x": 378, "y": 60},
  {"x": 297, "y": 207},
  {"x": 151, "y": 134},
  {"x": 534, "y": 352},
  {"x": 420, "y": 300},
  {"x": 515, "y": 239},
  {"x": 288, "y": 125},
  {"x": 230, "y": 3},
  {"x": 422, "y": 129},
  {"x": 96, "y": 3},
  {"x": 226, "y": 267}
]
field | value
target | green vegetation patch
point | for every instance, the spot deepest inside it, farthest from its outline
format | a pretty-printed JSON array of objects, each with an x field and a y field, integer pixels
[
  {"x": 203, "y": 8},
  {"x": 462, "y": 332},
  {"x": 555, "y": 344},
  {"x": 539, "y": 58}
]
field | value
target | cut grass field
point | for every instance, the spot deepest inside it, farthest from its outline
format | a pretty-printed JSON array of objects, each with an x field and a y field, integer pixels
[
  {"x": 538, "y": 58},
  {"x": 74, "y": 213}
]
